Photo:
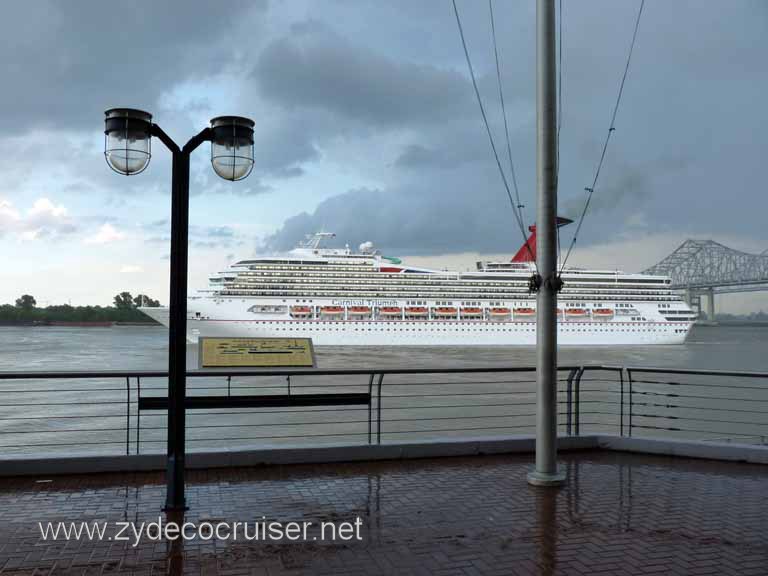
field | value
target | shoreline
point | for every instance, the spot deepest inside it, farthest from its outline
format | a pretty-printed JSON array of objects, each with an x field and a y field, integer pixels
[{"x": 71, "y": 324}]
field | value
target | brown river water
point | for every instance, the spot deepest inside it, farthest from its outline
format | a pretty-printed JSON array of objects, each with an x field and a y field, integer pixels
[{"x": 101, "y": 416}]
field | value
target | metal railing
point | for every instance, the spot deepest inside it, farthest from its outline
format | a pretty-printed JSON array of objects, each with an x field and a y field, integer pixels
[
  {"x": 110, "y": 412},
  {"x": 694, "y": 403}
]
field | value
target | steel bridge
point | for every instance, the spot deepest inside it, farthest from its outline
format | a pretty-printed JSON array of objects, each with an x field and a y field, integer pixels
[{"x": 705, "y": 268}]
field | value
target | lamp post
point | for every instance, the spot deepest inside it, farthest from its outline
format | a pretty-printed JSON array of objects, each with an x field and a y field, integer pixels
[{"x": 128, "y": 149}]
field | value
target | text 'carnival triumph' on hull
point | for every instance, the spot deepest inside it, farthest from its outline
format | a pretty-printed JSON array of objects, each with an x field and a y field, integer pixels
[{"x": 340, "y": 297}]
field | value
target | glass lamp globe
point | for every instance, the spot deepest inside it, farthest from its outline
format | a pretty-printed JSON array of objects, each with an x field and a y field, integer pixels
[
  {"x": 232, "y": 147},
  {"x": 127, "y": 141}
]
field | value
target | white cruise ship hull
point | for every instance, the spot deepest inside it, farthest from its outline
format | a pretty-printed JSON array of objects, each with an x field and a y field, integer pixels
[
  {"x": 435, "y": 333},
  {"x": 345, "y": 298}
]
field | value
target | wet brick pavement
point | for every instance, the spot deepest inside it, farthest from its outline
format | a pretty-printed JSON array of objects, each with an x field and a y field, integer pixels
[{"x": 618, "y": 514}]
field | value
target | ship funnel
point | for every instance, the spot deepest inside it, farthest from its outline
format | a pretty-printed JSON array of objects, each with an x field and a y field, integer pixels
[{"x": 527, "y": 252}]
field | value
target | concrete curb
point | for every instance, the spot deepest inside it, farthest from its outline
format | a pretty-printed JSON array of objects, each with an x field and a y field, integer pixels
[
  {"x": 754, "y": 454},
  {"x": 284, "y": 455},
  {"x": 53, "y": 465}
]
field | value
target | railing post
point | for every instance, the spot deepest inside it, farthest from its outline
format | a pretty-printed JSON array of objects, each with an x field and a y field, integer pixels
[
  {"x": 569, "y": 402},
  {"x": 629, "y": 378},
  {"x": 621, "y": 402},
  {"x": 138, "y": 413},
  {"x": 577, "y": 387},
  {"x": 378, "y": 411},
  {"x": 229, "y": 385},
  {"x": 128, "y": 415},
  {"x": 370, "y": 407}
]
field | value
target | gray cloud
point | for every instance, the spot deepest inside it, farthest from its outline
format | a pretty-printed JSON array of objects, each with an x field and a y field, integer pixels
[
  {"x": 632, "y": 185},
  {"x": 281, "y": 149},
  {"x": 626, "y": 191},
  {"x": 199, "y": 236},
  {"x": 158, "y": 240},
  {"x": 210, "y": 184},
  {"x": 417, "y": 156},
  {"x": 380, "y": 91},
  {"x": 315, "y": 68},
  {"x": 446, "y": 152},
  {"x": 220, "y": 232},
  {"x": 413, "y": 220},
  {"x": 65, "y": 63}
]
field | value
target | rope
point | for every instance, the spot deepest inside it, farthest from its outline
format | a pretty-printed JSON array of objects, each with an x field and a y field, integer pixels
[
  {"x": 488, "y": 130},
  {"x": 504, "y": 114},
  {"x": 591, "y": 189},
  {"x": 559, "y": 109}
]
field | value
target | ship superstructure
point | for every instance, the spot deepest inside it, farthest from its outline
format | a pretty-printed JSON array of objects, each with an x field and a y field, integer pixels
[{"x": 345, "y": 297}]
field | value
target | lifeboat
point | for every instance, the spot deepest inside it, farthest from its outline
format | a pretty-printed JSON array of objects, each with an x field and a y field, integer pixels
[
  {"x": 524, "y": 313},
  {"x": 417, "y": 311},
  {"x": 359, "y": 311},
  {"x": 301, "y": 311},
  {"x": 602, "y": 313},
  {"x": 445, "y": 312},
  {"x": 576, "y": 313},
  {"x": 471, "y": 312},
  {"x": 331, "y": 312},
  {"x": 499, "y": 314},
  {"x": 390, "y": 312}
]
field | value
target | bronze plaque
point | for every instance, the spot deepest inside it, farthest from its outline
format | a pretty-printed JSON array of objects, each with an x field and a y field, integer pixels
[{"x": 216, "y": 352}]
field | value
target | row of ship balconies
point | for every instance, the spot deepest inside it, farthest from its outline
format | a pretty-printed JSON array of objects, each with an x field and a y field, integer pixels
[
  {"x": 505, "y": 295},
  {"x": 433, "y": 290},
  {"x": 434, "y": 279}
]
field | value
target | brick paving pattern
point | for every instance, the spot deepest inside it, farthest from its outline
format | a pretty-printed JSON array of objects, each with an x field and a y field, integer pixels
[{"x": 618, "y": 514}]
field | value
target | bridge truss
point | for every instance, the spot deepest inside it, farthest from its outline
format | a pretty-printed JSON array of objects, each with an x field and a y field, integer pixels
[{"x": 708, "y": 265}]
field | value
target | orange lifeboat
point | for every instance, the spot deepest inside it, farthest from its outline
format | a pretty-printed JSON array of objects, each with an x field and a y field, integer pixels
[
  {"x": 301, "y": 311},
  {"x": 331, "y": 312},
  {"x": 523, "y": 313},
  {"x": 390, "y": 312},
  {"x": 471, "y": 312},
  {"x": 576, "y": 313},
  {"x": 416, "y": 311},
  {"x": 499, "y": 314},
  {"x": 602, "y": 313},
  {"x": 359, "y": 311},
  {"x": 445, "y": 311}
]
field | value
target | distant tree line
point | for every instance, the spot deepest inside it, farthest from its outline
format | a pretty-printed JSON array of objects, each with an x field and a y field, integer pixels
[
  {"x": 756, "y": 317},
  {"x": 125, "y": 309}
]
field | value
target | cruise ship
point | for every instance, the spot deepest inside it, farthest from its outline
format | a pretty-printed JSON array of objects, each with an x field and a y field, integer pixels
[{"x": 345, "y": 297}]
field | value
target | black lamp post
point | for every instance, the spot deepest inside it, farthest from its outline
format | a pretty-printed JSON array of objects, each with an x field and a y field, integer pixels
[{"x": 128, "y": 149}]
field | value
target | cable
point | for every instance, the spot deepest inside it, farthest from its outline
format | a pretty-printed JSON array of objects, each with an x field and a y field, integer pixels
[
  {"x": 559, "y": 112},
  {"x": 488, "y": 130},
  {"x": 590, "y": 190},
  {"x": 504, "y": 114}
]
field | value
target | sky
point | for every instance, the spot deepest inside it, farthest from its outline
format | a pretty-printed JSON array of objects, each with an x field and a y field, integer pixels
[{"x": 366, "y": 125}]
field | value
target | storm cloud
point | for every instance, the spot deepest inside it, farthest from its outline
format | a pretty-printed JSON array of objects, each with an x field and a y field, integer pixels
[
  {"x": 316, "y": 68},
  {"x": 64, "y": 63},
  {"x": 409, "y": 221},
  {"x": 366, "y": 123}
]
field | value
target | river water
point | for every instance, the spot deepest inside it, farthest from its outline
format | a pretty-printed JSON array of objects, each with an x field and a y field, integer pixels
[
  {"x": 144, "y": 348},
  {"x": 66, "y": 416}
]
